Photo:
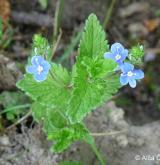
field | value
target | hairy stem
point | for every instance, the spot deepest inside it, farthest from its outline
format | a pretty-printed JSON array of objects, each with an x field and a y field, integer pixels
[
  {"x": 97, "y": 153},
  {"x": 91, "y": 142}
]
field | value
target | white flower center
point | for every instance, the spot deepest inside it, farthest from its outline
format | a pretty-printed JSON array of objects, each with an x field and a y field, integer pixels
[
  {"x": 118, "y": 57},
  {"x": 130, "y": 73},
  {"x": 39, "y": 69}
]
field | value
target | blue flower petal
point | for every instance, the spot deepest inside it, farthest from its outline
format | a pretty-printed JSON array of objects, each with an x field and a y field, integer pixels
[
  {"x": 46, "y": 65},
  {"x": 39, "y": 68},
  {"x": 31, "y": 69},
  {"x": 117, "y": 48},
  {"x": 139, "y": 74},
  {"x": 118, "y": 53},
  {"x": 123, "y": 80},
  {"x": 40, "y": 77},
  {"x": 36, "y": 60},
  {"x": 132, "y": 83},
  {"x": 108, "y": 55},
  {"x": 126, "y": 67},
  {"x": 124, "y": 54}
]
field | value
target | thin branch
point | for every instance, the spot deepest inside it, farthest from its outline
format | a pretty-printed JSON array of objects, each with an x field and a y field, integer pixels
[
  {"x": 109, "y": 13},
  {"x": 57, "y": 43},
  {"x": 57, "y": 18},
  {"x": 15, "y": 108},
  {"x": 20, "y": 120},
  {"x": 108, "y": 133}
]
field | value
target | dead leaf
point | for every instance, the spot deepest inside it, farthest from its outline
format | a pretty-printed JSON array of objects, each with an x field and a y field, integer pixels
[
  {"x": 5, "y": 11},
  {"x": 152, "y": 24}
]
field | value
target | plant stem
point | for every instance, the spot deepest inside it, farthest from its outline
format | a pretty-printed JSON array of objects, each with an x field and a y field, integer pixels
[
  {"x": 91, "y": 142},
  {"x": 109, "y": 13},
  {"x": 57, "y": 33},
  {"x": 20, "y": 120},
  {"x": 108, "y": 133},
  {"x": 15, "y": 108},
  {"x": 97, "y": 153},
  {"x": 56, "y": 43},
  {"x": 57, "y": 18}
]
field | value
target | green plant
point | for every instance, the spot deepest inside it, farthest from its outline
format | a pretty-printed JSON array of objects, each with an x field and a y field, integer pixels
[
  {"x": 62, "y": 99},
  {"x": 5, "y": 35},
  {"x": 43, "y": 3},
  {"x": 13, "y": 103},
  {"x": 157, "y": 13}
]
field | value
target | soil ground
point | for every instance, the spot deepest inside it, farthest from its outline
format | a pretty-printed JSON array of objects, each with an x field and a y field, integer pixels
[{"x": 135, "y": 113}]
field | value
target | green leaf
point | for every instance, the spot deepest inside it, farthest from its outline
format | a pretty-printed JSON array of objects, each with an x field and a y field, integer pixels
[
  {"x": 51, "y": 117},
  {"x": 41, "y": 47},
  {"x": 57, "y": 127},
  {"x": 64, "y": 99},
  {"x": 93, "y": 81},
  {"x": 51, "y": 98},
  {"x": 44, "y": 3},
  {"x": 93, "y": 43},
  {"x": 88, "y": 96},
  {"x": 53, "y": 92},
  {"x": 10, "y": 102},
  {"x": 136, "y": 54},
  {"x": 67, "y": 135},
  {"x": 38, "y": 111},
  {"x": 10, "y": 116}
]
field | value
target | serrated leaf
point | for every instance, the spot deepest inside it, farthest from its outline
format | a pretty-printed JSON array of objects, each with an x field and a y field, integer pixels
[
  {"x": 89, "y": 95},
  {"x": 93, "y": 43},
  {"x": 52, "y": 118},
  {"x": 57, "y": 128},
  {"x": 52, "y": 92},
  {"x": 91, "y": 88},
  {"x": 67, "y": 135},
  {"x": 51, "y": 99}
]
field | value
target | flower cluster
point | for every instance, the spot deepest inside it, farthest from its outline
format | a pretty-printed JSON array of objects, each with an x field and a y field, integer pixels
[
  {"x": 129, "y": 74},
  {"x": 39, "y": 68}
]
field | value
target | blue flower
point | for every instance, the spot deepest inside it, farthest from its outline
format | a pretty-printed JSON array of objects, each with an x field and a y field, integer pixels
[
  {"x": 118, "y": 53},
  {"x": 130, "y": 75},
  {"x": 39, "y": 68}
]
